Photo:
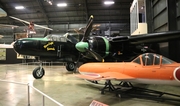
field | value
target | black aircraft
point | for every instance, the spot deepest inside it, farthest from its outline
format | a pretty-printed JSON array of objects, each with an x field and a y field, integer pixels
[
  {"x": 75, "y": 47},
  {"x": 50, "y": 48}
]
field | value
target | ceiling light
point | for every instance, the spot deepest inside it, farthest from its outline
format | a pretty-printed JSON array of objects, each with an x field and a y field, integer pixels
[
  {"x": 109, "y": 2},
  {"x": 19, "y": 7},
  {"x": 61, "y": 4},
  {"x": 49, "y": 1}
]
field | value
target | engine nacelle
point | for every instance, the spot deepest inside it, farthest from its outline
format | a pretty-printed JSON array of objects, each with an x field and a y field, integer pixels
[{"x": 99, "y": 45}]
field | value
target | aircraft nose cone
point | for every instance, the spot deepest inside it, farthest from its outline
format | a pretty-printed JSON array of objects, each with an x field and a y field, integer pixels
[
  {"x": 81, "y": 46},
  {"x": 17, "y": 45}
]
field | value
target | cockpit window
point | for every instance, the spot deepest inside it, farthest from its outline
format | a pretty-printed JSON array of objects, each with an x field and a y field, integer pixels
[
  {"x": 137, "y": 60},
  {"x": 150, "y": 59},
  {"x": 72, "y": 37},
  {"x": 167, "y": 61},
  {"x": 156, "y": 59},
  {"x": 56, "y": 38}
]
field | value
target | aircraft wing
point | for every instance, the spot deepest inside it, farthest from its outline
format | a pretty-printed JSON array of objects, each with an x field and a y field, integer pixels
[
  {"x": 105, "y": 76},
  {"x": 6, "y": 25},
  {"x": 149, "y": 38},
  {"x": 29, "y": 23}
]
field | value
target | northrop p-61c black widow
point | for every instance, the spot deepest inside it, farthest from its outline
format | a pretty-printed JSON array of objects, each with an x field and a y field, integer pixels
[{"x": 75, "y": 47}]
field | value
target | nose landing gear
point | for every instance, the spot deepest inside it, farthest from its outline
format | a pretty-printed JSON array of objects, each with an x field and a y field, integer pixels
[{"x": 38, "y": 72}]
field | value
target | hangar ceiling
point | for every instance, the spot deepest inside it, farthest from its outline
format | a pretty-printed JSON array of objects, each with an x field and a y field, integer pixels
[{"x": 41, "y": 12}]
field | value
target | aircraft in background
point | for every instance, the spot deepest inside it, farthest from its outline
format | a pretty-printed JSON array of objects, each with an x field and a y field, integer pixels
[
  {"x": 147, "y": 68},
  {"x": 7, "y": 45},
  {"x": 1, "y": 36},
  {"x": 31, "y": 26},
  {"x": 2, "y": 13},
  {"x": 82, "y": 47},
  {"x": 7, "y": 25}
]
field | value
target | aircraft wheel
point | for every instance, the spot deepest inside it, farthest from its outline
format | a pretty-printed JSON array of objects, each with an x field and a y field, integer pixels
[
  {"x": 70, "y": 66},
  {"x": 38, "y": 72}
]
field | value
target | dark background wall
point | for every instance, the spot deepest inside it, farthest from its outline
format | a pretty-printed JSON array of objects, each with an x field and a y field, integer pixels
[{"x": 164, "y": 15}]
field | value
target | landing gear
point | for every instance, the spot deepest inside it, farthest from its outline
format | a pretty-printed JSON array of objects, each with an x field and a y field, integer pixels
[
  {"x": 38, "y": 72},
  {"x": 126, "y": 89},
  {"x": 70, "y": 66},
  {"x": 109, "y": 86},
  {"x": 112, "y": 88}
]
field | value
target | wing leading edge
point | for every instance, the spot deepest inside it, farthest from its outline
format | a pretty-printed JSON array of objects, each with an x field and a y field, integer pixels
[
  {"x": 150, "y": 38},
  {"x": 105, "y": 76}
]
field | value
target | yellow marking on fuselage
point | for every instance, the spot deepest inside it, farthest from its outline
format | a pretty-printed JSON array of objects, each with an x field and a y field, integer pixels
[
  {"x": 52, "y": 48},
  {"x": 49, "y": 43}
]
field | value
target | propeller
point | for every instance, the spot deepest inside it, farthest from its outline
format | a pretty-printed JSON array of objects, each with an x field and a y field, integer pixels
[{"x": 83, "y": 45}]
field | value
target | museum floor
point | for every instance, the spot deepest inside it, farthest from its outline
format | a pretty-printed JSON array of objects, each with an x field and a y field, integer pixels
[{"x": 63, "y": 87}]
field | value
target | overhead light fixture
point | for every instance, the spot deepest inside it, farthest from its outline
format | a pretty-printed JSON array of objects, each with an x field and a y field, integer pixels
[
  {"x": 49, "y": 1},
  {"x": 142, "y": 7},
  {"x": 108, "y": 2},
  {"x": 19, "y": 7},
  {"x": 61, "y": 4}
]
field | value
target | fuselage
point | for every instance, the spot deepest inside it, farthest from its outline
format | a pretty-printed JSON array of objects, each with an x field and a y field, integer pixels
[
  {"x": 160, "y": 70},
  {"x": 47, "y": 48}
]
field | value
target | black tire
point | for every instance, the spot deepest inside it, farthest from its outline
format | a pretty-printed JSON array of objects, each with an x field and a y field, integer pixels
[
  {"x": 38, "y": 72},
  {"x": 70, "y": 66}
]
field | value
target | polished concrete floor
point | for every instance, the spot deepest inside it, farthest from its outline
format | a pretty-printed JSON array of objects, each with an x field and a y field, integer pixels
[{"x": 65, "y": 88}]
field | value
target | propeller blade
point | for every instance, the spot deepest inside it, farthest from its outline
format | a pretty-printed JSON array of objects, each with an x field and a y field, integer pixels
[
  {"x": 29, "y": 23},
  {"x": 95, "y": 55},
  {"x": 77, "y": 63},
  {"x": 88, "y": 29}
]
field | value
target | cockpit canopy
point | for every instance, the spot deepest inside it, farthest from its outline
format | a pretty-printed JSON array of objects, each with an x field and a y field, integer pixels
[
  {"x": 56, "y": 38},
  {"x": 147, "y": 59},
  {"x": 72, "y": 37}
]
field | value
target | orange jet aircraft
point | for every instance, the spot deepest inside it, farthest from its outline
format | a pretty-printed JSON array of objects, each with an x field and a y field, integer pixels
[{"x": 148, "y": 68}]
